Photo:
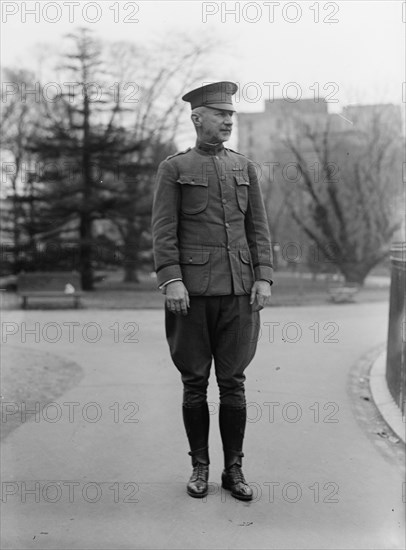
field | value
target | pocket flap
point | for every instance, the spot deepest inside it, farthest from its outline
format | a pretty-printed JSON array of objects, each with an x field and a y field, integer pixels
[
  {"x": 194, "y": 257},
  {"x": 245, "y": 256},
  {"x": 241, "y": 179},
  {"x": 193, "y": 179}
]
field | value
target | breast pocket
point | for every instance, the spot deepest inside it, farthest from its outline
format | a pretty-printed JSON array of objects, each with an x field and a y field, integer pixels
[
  {"x": 241, "y": 189},
  {"x": 194, "y": 193}
]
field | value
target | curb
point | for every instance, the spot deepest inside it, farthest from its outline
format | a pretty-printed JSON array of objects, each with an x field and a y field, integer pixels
[{"x": 383, "y": 399}]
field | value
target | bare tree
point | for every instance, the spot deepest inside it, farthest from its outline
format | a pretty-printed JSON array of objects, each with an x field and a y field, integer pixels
[
  {"x": 276, "y": 200},
  {"x": 19, "y": 121},
  {"x": 349, "y": 204}
]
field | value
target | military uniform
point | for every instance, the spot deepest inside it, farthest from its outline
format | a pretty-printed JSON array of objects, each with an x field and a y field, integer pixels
[
  {"x": 210, "y": 230},
  {"x": 210, "y": 226}
]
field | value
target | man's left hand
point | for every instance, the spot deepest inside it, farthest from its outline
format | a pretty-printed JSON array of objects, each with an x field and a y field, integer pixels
[{"x": 261, "y": 291}]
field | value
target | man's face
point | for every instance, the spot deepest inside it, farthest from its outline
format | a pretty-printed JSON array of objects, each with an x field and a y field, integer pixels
[{"x": 216, "y": 125}]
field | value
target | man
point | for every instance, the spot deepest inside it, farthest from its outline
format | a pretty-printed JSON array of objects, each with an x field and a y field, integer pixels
[{"x": 213, "y": 261}]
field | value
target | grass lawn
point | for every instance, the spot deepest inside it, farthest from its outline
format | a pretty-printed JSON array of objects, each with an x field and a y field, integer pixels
[{"x": 291, "y": 289}]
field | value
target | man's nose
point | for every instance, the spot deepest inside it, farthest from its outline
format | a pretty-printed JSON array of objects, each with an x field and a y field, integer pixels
[{"x": 228, "y": 120}]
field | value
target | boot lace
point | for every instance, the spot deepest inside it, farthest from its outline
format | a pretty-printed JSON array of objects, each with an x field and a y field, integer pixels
[
  {"x": 200, "y": 470},
  {"x": 237, "y": 475}
]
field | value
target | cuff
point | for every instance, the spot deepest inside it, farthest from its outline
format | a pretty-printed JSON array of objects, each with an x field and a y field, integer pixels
[
  {"x": 165, "y": 274},
  {"x": 163, "y": 285},
  {"x": 263, "y": 272}
]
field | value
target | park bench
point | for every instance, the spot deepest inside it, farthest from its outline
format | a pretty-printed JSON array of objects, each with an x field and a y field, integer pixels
[
  {"x": 49, "y": 285},
  {"x": 343, "y": 294}
]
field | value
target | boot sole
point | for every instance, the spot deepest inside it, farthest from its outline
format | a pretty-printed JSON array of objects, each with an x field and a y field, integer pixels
[
  {"x": 197, "y": 495},
  {"x": 236, "y": 495}
]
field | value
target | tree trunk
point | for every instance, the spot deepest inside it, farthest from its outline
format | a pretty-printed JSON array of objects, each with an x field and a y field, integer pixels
[
  {"x": 16, "y": 236},
  {"x": 86, "y": 268},
  {"x": 131, "y": 255},
  {"x": 354, "y": 273},
  {"x": 85, "y": 254},
  {"x": 16, "y": 223},
  {"x": 130, "y": 274}
]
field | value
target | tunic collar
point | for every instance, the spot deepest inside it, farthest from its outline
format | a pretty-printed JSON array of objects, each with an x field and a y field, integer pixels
[{"x": 210, "y": 148}]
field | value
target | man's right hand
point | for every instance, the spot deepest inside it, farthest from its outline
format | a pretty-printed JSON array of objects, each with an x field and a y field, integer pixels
[{"x": 177, "y": 297}]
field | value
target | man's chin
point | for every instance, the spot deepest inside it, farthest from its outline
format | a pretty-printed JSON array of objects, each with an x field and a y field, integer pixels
[{"x": 224, "y": 136}]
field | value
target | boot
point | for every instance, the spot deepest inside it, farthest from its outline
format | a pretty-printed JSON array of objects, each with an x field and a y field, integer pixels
[
  {"x": 198, "y": 486},
  {"x": 197, "y": 420},
  {"x": 232, "y": 428}
]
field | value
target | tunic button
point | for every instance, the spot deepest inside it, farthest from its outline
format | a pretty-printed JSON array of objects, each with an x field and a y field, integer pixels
[
  {"x": 224, "y": 201},
  {"x": 223, "y": 178},
  {"x": 190, "y": 260},
  {"x": 227, "y": 224},
  {"x": 228, "y": 247}
]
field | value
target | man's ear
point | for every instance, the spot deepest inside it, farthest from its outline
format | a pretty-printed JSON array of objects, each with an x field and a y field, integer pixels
[{"x": 196, "y": 119}]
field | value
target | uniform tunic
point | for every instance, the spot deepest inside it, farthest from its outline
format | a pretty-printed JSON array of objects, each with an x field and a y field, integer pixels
[{"x": 209, "y": 223}]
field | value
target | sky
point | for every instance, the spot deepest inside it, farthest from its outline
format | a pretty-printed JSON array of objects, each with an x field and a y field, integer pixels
[{"x": 348, "y": 51}]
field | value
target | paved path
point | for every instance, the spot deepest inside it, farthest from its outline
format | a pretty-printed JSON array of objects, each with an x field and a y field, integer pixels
[{"x": 322, "y": 478}]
